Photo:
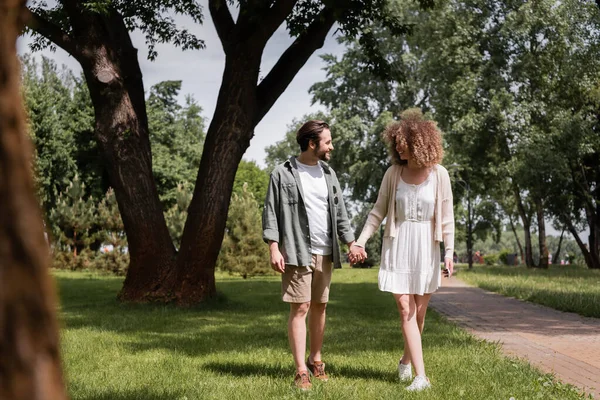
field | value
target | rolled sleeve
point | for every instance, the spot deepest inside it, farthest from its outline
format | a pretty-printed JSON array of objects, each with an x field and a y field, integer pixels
[{"x": 270, "y": 222}]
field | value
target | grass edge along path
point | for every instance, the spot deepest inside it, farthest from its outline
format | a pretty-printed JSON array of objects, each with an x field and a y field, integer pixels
[
  {"x": 235, "y": 347},
  {"x": 567, "y": 288}
]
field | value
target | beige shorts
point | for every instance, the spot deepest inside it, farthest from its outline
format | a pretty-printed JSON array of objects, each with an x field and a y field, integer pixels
[{"x": 304, "y": 284}]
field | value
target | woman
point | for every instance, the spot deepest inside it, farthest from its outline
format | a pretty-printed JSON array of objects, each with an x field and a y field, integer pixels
[{"x": 416, "y": 197}]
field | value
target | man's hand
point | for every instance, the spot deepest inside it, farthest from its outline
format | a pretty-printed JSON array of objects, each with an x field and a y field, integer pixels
[
  {"x": 357, "y": 254},
  {"x": 448, "y": 267},
  {"x": 277, "y": 261}
]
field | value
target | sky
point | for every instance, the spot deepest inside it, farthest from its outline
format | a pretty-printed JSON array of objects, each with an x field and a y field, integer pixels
[{"x": 201, "y": 71}]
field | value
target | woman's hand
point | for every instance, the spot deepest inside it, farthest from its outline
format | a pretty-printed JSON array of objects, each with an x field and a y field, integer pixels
[
  {"x": 357, "y": 254},
  {"x": 448, "y": 267}
]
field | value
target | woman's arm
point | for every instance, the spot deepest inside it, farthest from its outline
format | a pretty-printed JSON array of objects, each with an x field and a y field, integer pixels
[{"x": 379, "y": 210}]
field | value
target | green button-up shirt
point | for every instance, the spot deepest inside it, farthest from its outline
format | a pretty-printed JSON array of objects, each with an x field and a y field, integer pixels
[{"x": 285, "y": 220}]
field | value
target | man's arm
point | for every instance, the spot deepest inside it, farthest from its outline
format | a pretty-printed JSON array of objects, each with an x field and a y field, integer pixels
[
  {"x": 271, "y": 224},
  {"x": 277, "y": 261}
]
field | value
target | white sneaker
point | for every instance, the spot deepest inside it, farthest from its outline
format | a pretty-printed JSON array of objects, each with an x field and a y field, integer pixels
[
  {"x": 419, "y": 383},
  {"x": 404, "y": 371}
]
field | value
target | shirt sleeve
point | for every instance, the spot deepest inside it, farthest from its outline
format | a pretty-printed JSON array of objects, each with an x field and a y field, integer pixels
[
  {"x": 447, "y": 216},
  {"x": 378, "y": 212},
  {"x": 270, "y": 222}
]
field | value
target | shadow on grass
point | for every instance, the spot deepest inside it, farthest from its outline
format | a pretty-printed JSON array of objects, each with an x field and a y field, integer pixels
[
  {"x": 286, "y": 372},
  {"x": 246, "y": 314}
]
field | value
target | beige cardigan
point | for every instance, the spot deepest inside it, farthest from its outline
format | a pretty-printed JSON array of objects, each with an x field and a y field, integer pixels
[{"x": 444, "y": 211}]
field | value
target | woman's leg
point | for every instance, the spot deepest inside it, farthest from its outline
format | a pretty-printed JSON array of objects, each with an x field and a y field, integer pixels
[
  {"x": 407, "y": 307},
  {"x": 422, "y": 302}
]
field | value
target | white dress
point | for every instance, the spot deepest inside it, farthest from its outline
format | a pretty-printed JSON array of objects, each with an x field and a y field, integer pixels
[{"x": 410, "y": 261}]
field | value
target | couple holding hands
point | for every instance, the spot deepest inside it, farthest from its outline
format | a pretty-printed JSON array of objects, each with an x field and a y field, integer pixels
[{"x": 305, "y": 217}]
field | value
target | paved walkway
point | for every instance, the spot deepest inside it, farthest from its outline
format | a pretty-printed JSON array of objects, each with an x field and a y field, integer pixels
[{"x": 565, "y": 344}]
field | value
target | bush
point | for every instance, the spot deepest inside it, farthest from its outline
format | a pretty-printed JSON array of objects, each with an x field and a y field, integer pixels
[
  {"x": 491, "y": 259},
  {"x": 243, "y": 250},
  {"x": 503, "y": 256},
  {"x": 113, "y": 262}
]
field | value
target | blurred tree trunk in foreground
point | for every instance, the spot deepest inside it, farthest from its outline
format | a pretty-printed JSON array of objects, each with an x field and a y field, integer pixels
[{"x": 29, "y": 351}]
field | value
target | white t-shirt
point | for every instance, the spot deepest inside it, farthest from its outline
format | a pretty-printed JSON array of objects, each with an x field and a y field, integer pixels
[{"x": 314, "y": 189}]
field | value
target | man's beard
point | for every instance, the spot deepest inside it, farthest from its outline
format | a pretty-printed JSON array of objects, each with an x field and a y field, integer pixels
[{"x": 322, "y": 155}]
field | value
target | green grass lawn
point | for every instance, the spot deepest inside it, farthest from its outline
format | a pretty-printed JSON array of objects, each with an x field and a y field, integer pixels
[
  {"x": 563, "y": 287},
  {"x": 235, "y": 347}
]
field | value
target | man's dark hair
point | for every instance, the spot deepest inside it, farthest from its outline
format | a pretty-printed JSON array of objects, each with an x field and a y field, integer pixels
[{"x": 310, "y": 131}]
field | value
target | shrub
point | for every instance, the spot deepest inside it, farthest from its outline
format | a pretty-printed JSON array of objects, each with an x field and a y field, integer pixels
[
  {"x": 491, "y": 259},
  {"x": 243, "y": 250},
  {"x": 503, "y": 256}
]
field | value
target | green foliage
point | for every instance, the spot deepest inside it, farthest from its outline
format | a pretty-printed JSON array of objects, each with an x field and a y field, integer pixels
[
  {"x": 61, "y": 124},
  {"x": 153, "y": 18},
  {"x": 243, "y": 250},
  {"x": 113, "y": 234},
  {"x": 177, "y": 136},
  {"x": 373, "y": 246},
  {"x": 250, "y": 176},
  {"x": 491, "y": 259},
  {"x": 177, "y": 214},
  {"x": 73, "y": 218},
  {"x": 503, "y": 256},
  {"x": 513, "y": 86}
]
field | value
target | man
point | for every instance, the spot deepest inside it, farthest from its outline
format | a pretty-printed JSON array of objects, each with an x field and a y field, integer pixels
[{"x": 304, "y": 214}]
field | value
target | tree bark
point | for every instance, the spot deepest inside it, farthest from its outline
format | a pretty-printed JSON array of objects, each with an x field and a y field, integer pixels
[
  {"x": 592, "y": 261},
  {"x": 543, "y": 262},
  {"x": 526, "y": 227},
  {"x": 514, "y": 230},
  {"x": 557, "y": 254},
  {"x": 227, "y": 139},
  {"x": 29, "y": 349}
]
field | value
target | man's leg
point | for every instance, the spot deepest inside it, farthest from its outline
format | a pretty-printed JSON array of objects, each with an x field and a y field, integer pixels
[
  {"x": 297, "y": 333},
  {"x": 316, "y": 327}
]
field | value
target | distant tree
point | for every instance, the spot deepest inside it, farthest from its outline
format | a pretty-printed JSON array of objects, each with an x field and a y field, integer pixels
[
  {"x": 254, "y": 179},
  {"x": 73, "y": 218},
  {"x": 112, "y": 235},
  {"x": 243, "y": 251},
  {"x": 30, "y": 366},
  {"x": 177, "y": 136},
  {"x": 177, "y": 214}
]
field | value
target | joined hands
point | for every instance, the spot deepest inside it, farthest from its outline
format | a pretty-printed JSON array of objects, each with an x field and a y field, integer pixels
[{"x": 357, "y": 254}]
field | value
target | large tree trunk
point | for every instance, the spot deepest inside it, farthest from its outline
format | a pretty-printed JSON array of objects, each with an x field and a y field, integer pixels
[
  {"x": 115, "y": 81},
  {"x": 525, "y": 218},
  {"x": 543, "y": 262},
  {"x": 514, "y": 230},
  {"x": 557, "y": 253},
  {"x": 227, "y": 139},
  {"x": 29, "y": 350},
  {"x": 591, "y": 260}
]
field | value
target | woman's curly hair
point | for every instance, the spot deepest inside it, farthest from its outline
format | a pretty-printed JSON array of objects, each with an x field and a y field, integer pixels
[{"x": 421, "y": 137}]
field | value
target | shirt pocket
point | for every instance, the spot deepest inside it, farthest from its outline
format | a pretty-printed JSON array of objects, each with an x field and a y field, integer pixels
[{"x": 289, "y": 193}]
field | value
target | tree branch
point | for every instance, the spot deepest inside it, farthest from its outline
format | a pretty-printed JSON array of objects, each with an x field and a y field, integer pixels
[
  {"x": 223, "y": 21},
  {"x": 51, "y": 32},
  {"x": 291, "y": 61},
  {"x": 275, "y": 17}
]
